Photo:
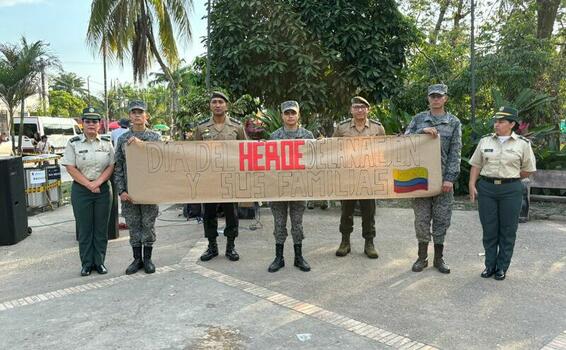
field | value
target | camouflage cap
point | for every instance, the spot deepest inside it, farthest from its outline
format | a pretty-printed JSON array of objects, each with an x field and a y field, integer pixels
[
  {"x": 219, "y": 94},
  {"x": 136, "y": 104},
  {"x": 508, "y": 113},
  {"x": 287, "y": 105},
  {"x": 359, "y": 99},
  {"x": 91, "y": 113},
  {"x": 440, "y": 89}
]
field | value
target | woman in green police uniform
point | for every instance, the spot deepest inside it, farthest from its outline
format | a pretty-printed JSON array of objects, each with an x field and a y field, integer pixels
[
  {"x": 502, "y": 159},
  {"x": 89, "y": 159}
]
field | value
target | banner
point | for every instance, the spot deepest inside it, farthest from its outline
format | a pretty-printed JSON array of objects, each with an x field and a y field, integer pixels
[{"x": 284, "y": 170}]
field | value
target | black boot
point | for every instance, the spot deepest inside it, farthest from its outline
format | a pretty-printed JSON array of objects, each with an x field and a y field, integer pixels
[
  {"x": 438, "y": 261},
  {"x": 137, "y": 263},
  {"x": 279, "y": 261},
  {"x": 231, "y": 252},
  {"x": 300, "y": 262},
  {"x": 422, "y": 261},
  {"x": 147, "y": 263},
  {"x": 211, "y": 251}
]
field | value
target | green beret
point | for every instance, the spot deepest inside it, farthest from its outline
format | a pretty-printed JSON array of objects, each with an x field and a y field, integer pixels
[
  {"x": 91, "y": 113},
  {"x": 220, "y": 95},
  {"x": 359, "y": 99},
  {"x": 508, "y": 113}
]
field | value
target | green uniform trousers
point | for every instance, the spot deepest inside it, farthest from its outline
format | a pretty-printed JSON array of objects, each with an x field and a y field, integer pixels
[
  {"x": 92, "y": 211},
  {"x": 499, "y": 207},
  {"x": 367, "y": 207}
]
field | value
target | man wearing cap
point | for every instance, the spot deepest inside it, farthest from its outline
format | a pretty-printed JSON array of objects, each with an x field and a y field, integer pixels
[
  {"x": 358, "y": 126},
  {"x": 290, "y": 130},
  {"x": 502, "y": 159},
  {"x": 89, "y": 159},
  {"x": 115, "y": 134},
  {"x": 438, "y": 209},
  {"x": 220, "y": 127},
  {"x": 140, "y": 218}
]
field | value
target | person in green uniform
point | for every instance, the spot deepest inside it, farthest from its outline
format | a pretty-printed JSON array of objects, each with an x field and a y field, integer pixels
[
  {"x": 89, "y": 159},
  {"x": 500, "y": 160}
]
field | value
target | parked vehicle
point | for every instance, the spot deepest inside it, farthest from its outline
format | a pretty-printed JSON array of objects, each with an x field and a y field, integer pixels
[{"x": 58, "y": 130}]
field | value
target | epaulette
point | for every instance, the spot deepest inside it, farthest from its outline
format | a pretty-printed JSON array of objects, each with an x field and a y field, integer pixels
[
  {"x": 345, "y": 121},
  {"x": 106, "y": 138},
  {"x": 524, "y": 139},
  {"x": 487, "y": 135},
  {"x": 234, "y": 120},
  {"x": 200, "y": 122},
  {"x": 74, "y": 139},
  {"x": 375, "y": 122}
]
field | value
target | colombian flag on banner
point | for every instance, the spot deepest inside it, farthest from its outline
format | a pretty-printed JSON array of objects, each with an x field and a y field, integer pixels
[{"x": 409, "y": 180}]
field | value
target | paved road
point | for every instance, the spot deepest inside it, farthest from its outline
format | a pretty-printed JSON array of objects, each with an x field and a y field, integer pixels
[{"x": 343, "y": 303}]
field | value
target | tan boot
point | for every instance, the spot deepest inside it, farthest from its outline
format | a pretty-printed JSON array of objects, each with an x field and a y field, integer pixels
[
  {"x": 344, "y": 248},
  {"x": 369, "y": 249}
]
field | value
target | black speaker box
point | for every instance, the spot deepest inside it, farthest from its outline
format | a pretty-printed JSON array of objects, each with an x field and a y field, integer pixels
[{"x": 13, "y": 214}]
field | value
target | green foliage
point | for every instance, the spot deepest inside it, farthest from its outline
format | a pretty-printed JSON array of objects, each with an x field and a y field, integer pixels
[
  {"x": 316, "y": 52},
  {"x": 64, "y": 104},
  {"x": 70, "y": 83}
]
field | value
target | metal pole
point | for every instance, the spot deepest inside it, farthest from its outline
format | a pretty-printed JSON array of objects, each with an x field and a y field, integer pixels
[
  {"x": 473, "y": 64},
  {"x": 207, "y": 79}
]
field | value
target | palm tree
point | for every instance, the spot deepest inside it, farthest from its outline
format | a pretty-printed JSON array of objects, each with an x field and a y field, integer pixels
[
  {"x": 69, "y": 82},
  {"x": 126, "y": 29},
  {"x": 20, "y": 71}
]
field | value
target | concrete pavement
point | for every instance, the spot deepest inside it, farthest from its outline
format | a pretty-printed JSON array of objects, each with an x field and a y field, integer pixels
[{"x": 343, "y": 303}]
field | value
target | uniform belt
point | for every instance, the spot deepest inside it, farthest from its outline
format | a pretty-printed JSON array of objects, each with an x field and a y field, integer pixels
[{"x": 497, "y": 181}]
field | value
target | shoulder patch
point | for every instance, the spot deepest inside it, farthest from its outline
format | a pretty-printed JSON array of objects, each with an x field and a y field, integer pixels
[
  {"x": 345, "y": 121},
  {"x": 234, "y": 120},
  {"x": 524, "y": 139},
  {"x": 375, "y": 121},
  {"x": 74, "y": 139},
  {"x": 106, "y": 138},
  {"x": 487, "y": 135}
]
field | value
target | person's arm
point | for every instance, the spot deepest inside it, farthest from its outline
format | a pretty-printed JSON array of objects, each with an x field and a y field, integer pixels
[
  {"x": 105, "y": 175},
  {"x": 528, "y": 162},
  {"x": 80, "y": 178},
  {"x": 452, "y": 169},
  {"x": 474, "y": 175},
  {"x": 119, "y": 169}
]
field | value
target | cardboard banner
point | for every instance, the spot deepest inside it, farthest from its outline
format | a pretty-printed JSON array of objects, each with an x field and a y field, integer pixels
[{"x": 284, "y": 170}]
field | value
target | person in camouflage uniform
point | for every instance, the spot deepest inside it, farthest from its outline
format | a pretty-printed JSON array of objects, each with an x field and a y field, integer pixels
[
  {"x": 290, "y": 115},
  {"x": 358, "y": 126},
  {"x": 140, "y": 218},
  {"x": 220, "y": 127},
  {"x": 438, "y": 209}
]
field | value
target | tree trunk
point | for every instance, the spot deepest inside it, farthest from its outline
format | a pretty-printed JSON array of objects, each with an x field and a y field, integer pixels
[
  {"x": 21, "y": 128},
  {"x": 443, "y": 8},
  {"x": 12, "y": 133},
  {"x": 546, "y": 15}
]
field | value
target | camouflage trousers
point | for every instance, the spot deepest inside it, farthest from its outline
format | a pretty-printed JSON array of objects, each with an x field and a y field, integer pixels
[
  {"x": 296, "y": 210},
  {"x": 436, "y": 210},
  {"x": 140, "y": 219}
]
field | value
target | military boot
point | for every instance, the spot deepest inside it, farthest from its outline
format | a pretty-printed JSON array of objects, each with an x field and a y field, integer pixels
[
  {"x": 211, "y": 251},
  {"x": 300, "y": 262},
  {"x": 422, "y": 260},
  {"x": 279, "y": 261},
  {"x": 344, "y": 248},
  {"x": 438, "y": 261},
  {"x": 231, "y": 252},
  {"x": 137, "y": 263},
  {"x": 369, "y": 249},
  {"x": 148, "y": 265}
]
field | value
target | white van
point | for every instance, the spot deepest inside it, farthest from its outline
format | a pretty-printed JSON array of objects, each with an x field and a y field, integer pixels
[{"x": 58, "y": 131}]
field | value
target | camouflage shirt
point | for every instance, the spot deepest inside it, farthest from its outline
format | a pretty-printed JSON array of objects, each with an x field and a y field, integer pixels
[
  {"x": 120, "y": 170},
  {"x": 283, "y": 134},
  {"x": 450, "y": 132}
]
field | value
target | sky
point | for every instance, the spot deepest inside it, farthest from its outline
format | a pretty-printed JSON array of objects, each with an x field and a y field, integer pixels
[{"x": 63, "y": 24}]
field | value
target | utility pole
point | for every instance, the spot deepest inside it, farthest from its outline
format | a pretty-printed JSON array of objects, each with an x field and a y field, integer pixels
[{"x": 207, "y": 79}]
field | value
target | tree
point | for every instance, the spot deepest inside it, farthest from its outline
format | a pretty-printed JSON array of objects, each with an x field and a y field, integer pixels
[
  {"x": 320, "y": 53},
  {"x": 126, "y": 28},
  {"x": 20, "y": 69},
  {"x": 65, "y": 104},
  {"x": 70, "y": 83}
]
